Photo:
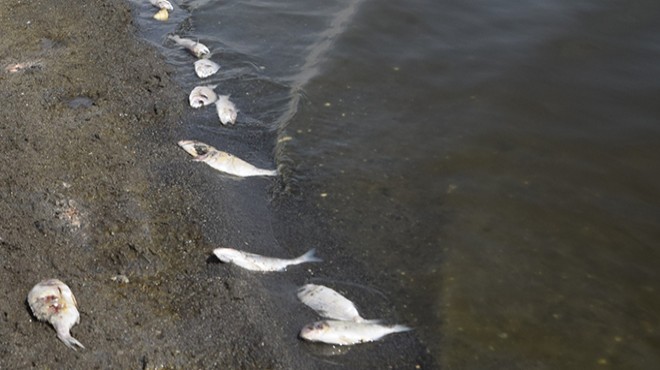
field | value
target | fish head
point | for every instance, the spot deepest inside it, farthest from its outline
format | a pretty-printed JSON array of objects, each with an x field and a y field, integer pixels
[
  {"x": 197, "y": 103},
  {"x": 314, "y": 332},
  {"x": 201, "y": 50},
  {"x": 226, "y": 255},
  {"x": 194, "y": 148}
]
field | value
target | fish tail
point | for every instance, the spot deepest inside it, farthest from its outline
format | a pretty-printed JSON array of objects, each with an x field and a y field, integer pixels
[
  {"x": 309, "y": 256},
  {"x": 400, "y": 328},
  {"x": 269, "y": 173},
  {"x": 69, "y": 341}
]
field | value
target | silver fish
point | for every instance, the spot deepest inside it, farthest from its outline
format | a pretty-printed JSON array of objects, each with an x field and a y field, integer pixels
[
  {"x": 347, "y": 332},
  {"x": 255, "y": 262},
  {"x": 52, "y": 301},
  {"x": 205, "y": 68},
  {"x": 196, "y": 48},
  {"x": 222, "y": 161},
  {"x": 162, "y": 4},
  {"x": 329, "y": 303},
  {"x": 202, "y": 95},
  {"x": 227, "y": 111}
]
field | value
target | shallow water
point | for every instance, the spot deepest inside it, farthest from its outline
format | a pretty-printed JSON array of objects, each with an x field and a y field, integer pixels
[{"x": 491, "y": 162}]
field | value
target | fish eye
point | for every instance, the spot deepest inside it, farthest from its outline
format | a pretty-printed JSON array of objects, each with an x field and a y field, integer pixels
[{"x": 200, "y": 150}]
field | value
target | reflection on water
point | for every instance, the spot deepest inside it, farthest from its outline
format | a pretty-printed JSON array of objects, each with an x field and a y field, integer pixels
[{"x": 493, "y": 162}]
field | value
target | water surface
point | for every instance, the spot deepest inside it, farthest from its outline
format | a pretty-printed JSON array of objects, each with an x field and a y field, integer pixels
[{"x": 492, "y": 163}]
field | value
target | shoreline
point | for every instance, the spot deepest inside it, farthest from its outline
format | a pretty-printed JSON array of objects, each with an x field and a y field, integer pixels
[{"x": 94, "y": 186}]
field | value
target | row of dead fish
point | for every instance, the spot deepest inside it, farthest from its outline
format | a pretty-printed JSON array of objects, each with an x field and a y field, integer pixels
[
  {"x": 343, "y": 324},
  {"x": 205, "y": 95},
  {"x": 53, "y": 301}
]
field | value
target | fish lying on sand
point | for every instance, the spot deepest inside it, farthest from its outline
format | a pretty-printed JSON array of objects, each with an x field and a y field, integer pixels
[
  {"x": 347, "y": 332},
  {"x": 329, "y": 303},
  {"x": 205, "y": 68},
  {"x": 52, "y": 301},
  {"x": 196, "y": 48},
  {"x": 222, "y": 161},
  {"x": 227, "y": 111},
  {"x": 202, "y": 96},
  {"x": 17, "y": 67},
  {"x": 255, "y": 262},
  {"x": 162, "y": 4}
]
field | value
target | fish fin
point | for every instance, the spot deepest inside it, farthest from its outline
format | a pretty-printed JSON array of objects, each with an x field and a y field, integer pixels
[
  {"x": 365, "y": 321},
  {"x": 310, "y": 256},
  {"x": 345, "y": 341}
]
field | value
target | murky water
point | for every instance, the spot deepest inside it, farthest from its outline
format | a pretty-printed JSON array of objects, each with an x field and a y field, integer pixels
[{"x": 494, "y": 163}]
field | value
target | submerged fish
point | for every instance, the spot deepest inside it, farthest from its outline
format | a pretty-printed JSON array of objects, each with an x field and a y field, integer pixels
[
  {"x": 52, "y": 301},
  {"x": 162, "y": 15},
  {"x": 255, "y": 262},
  {"x": 347, "y": 332},
  {"x": 329, "y": 303},
  {"x": 162, "y": 4},
  {"x": 205, "y": 68},
  {"x": 227, "y": 111},
  {"x": 196, "y": 48},
  {"x": 202, "y": 95},
  {"x": 222, "y": 161}
]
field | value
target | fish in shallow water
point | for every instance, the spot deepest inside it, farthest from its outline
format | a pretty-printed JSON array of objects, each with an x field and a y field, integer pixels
[
  {"x": 222, "y": 161},
  {"x": 162, "y": 15},
  {"x": 347, "y": 332},
  {"x": 205, "y": 68},
  {"x": 329, "y": 303},
  {"x": 162, "y": 4},
  {"x": 196, "y": 48},
  {"x": 202, "y": 96},
  {"x": 255, "y": 262},
  {"x": 227, "y": 111},
  {"x": 52, "y": 301}
]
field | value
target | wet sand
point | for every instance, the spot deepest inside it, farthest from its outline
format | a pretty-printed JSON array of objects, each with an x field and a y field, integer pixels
[{"x": 93, "y": 186}]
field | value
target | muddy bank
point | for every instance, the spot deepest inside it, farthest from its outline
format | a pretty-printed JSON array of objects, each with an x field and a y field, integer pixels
[{"x": 93, "y": 186}]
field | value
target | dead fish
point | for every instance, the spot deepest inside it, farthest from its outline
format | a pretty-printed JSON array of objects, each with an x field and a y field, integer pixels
[
  {"x": 205, "y": 68},
  {"x": 347, "y": 332},
  {"x": 222, "y": 161},
  {"x": 196, "y": 48},
  {"x": 255, "y": 262},
  {"x": 202, "y": 95},
  {"x": 329, "y": 303},
  {"x": 227, "y": 111},
  {"x": 17, "y": 67},
  {"x": 162, "y": 4},
  {"x": 52, "y": 301}
]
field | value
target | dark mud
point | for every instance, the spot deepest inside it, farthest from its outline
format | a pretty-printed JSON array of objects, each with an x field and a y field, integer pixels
[{"x": 93, "y": 186}]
